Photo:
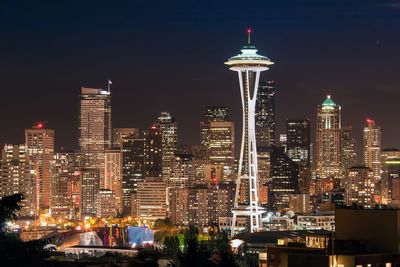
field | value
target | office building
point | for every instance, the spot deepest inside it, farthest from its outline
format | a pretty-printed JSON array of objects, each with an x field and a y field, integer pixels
[
  {"x": 284, "y": 180},
  {"x": 151, "y": 200},
  {"x": 169, "y": 140},
  {"x": 298, "y": 148},
  {"x": 105, "y": 204},
  {"x": 66, "y": 185},
  {"x": 298, "y": 141},
  {"x": 372, "y": 148},
  {"x": 349, "y": 149},
  {"x": 90, "y": 186},
  {"x": 95, "y": 127},
  {"x": 181, "y": 171},
  {"x": 153, "y": 152},
  {"x": 211, "y": 114},
  {"x": 133, "y": 169},
  {"x": 221, "y": 146},
  {"x": 390, "y": 159},
  {"x": 328, "y": 148},
  {"x": 265, "y": 114},
  {"x": 40, "y": 144},
  {"x": 118, "y": 134},
  {"x": 113, "y": 173}
]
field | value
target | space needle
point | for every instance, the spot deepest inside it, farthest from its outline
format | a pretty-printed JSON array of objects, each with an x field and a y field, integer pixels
[{"x": 248, "y": 65}]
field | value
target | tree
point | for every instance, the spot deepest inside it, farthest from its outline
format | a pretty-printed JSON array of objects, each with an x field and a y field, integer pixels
[
  {"x": 9, "y": 206},
  {"x": 14, "y": 252}
]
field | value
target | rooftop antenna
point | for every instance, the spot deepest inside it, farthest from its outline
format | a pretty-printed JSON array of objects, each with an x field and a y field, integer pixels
[
  {"x": 109, "y": 85},
  {"x": 249, "y": 35}
]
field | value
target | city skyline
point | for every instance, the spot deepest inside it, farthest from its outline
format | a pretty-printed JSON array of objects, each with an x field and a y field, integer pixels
[{"x": 308, "y": 69}]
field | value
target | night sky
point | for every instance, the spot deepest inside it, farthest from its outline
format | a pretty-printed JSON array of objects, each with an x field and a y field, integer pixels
[{"x": 169, "y": 55}]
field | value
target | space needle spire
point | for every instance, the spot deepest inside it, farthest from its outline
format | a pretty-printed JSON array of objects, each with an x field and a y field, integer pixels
[{"x": 248, "y": 65}]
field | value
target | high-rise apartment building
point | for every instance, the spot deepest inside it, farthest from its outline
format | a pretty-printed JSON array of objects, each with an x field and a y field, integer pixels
[
  {"x": 265, "y": 114},
  {"x": 328, "y": 148},
  {"x": 201, "y": 205},
  {"x": 372, "y": 148},
  {"x": 153, "y": 152},
  {"x": 169, "y": 138},
  {"x": 120, "y": 133},
  {"x": 151, "y": 200},
  {"x": 359, "y": 186},
  {"x": 133, "y": 169},
  {"x": 17, "y": 177},
  {"x": 40, "y": 144},
  {"x": 349, "y": 149},
  {"x": 95, "y": 127},
  {"x": 181, "y": 171}
]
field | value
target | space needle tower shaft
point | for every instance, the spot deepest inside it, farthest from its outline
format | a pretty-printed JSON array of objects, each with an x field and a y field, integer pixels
[{"x": 248, "y": 65}]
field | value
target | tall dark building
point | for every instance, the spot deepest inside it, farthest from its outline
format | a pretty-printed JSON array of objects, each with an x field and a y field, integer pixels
[
  {"x": 349, "y": 153},
  {"x": 298, "y": 148},
  {"x": 152, "y": 152},
  {"x": 285, "y": 175},
  {"x": 133, "y": 169},
  {"x": 265, "y": 114},
  {"x": 298, "y": 141}
]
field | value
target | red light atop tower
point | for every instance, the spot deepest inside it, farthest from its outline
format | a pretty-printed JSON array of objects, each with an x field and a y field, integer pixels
[{"x": 39, "y": 125}]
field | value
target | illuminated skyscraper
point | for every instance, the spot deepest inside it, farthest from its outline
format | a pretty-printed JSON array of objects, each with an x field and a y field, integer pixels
[
  {"x": 17, "y": 177},
  {"x": 113, "y": 173},
  {"x": 169, "y": 136},
  {"x": 181, "y": 171},
  {"x": 349, "y": 152},
  {"x": 40, "y": 144},
  {"x": 90, "y": 186},
  {"x": 95, "y": 138},
  {"x": 328, "y": 148},
  {"x": 221, "y": 147},
  {"x": 265, "y": 114},
  {"x": 65, "y": 184},
  {"x": 372, "y": 148},
  {"x": 217, "y": 134},
  {"x": 248, "y": 65},
  {"x": 95, "y": 126},
  {"x": 211, "y": 114}
]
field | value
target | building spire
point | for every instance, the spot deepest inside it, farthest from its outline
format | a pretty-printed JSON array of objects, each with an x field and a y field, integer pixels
[{"x": 249, "y": 35}]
